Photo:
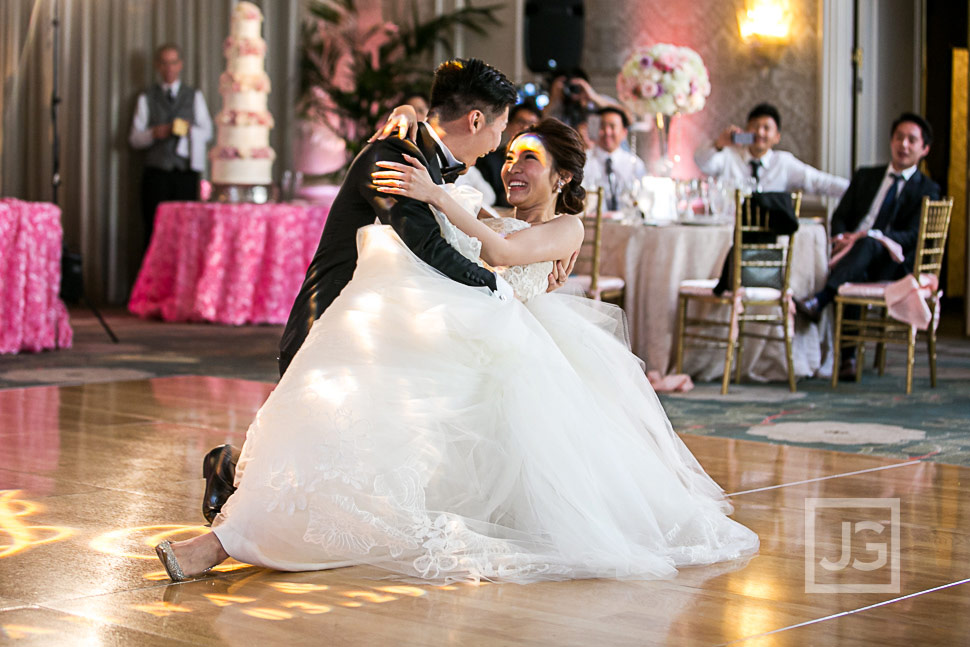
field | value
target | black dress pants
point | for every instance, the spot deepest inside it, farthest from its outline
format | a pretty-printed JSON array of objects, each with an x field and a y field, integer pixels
[
  {"x": 158, "y": 185},
  {"x": 868, "y": 261}
]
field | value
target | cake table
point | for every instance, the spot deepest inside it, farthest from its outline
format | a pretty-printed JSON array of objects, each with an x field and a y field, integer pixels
[{"x": 227, "y": 263}]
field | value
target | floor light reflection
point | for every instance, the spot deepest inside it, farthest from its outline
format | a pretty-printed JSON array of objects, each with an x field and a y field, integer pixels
[
  {"x": 264, "y": 613},
  {"x": 297, "y": 588},
  {"x": 20, "y": 536},
  {"x": 307, "y": 607}
]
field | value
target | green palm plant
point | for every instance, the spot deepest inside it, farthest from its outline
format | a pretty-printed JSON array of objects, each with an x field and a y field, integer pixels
[{"x": 354, "y": 67}]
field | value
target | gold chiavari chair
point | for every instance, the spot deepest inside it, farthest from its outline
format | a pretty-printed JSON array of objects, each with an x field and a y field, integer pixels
[
  {"x": 586, "y": 273},
  {"x": 760, "y": 276},
  {"x": 883, "y": 329}
]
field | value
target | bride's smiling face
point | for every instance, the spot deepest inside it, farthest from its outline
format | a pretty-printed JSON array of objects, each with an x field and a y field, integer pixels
[{"x": 528, "y": 172}]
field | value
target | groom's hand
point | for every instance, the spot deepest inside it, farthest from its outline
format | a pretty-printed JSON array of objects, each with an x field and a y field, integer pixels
[{"x": 560, "y": 273}]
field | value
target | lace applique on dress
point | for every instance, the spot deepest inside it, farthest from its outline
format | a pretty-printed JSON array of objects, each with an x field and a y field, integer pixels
[
  {"x": 530, "y": 280},
  {"x": 527, "y": 281},
  {"x": 468, "y": 246}
]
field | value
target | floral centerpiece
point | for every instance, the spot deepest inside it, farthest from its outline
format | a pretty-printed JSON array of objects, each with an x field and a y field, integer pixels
[
  {"x": 355, "y": 66},
  {"x": 664, "y": 79}
]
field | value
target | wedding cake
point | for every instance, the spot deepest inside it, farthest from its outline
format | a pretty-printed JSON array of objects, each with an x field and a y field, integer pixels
[{"x": 242, "y": 155}]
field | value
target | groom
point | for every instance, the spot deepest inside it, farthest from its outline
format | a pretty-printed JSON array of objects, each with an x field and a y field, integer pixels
[{"x": 469, "y": 109}]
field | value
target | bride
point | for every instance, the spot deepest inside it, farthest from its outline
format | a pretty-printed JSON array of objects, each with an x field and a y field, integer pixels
[{"x": 434, "y": 431}]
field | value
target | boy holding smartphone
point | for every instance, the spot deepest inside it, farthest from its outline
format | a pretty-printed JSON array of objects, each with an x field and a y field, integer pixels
[{"x": 745, "y": 159}]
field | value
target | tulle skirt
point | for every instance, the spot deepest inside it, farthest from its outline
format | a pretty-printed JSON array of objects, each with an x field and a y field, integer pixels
[{"x": 437, "y": 432}]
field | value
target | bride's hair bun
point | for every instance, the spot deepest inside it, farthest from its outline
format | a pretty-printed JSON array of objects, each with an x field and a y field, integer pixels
[
  {"x": 572, "y": 199},
  {"x": 569, "y": 155}
]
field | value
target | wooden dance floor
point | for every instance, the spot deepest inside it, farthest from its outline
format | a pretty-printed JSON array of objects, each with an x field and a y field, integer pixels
[{"x": 855, "y": 550}]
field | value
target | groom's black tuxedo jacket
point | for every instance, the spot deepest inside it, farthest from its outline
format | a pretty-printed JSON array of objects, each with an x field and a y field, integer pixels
[
  {"x": 903, "y": 226},
  {"x": 357, "y": 204}
]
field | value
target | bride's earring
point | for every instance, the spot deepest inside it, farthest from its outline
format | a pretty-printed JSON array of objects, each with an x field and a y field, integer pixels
[{"x": 559, "y": 186}]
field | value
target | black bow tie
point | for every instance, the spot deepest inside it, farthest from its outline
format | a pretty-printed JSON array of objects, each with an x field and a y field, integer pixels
[{"x": 450, "y": 173}]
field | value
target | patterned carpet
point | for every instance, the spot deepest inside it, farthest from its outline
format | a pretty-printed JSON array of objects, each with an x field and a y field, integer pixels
[{"x": 871, "y": 417}]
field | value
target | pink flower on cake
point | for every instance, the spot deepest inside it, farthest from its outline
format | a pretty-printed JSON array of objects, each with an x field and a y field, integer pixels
[
  {"x": 245, "y": 118},
  {"x": 224, "y": 153},
  {"x": 248, "y": 83},
  {"x": 244, "y": 47}
]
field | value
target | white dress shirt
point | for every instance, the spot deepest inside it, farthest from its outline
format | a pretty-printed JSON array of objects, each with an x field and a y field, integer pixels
[
  {"x": 627, "y": 170},
  {"x": 780, "y": 171},
  {"x": 191, "y": 146},
  {"x": 450, "y": 159},
  {"x": 887, "y": 182}
]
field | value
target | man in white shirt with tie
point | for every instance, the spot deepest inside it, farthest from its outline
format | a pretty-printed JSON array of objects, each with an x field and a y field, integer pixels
[
  {"x": 746, "y": 159},
  {"x": 172, "y": 125},
  {"x": 609, "y": 165},
  {"x": 875, "y": 226}
]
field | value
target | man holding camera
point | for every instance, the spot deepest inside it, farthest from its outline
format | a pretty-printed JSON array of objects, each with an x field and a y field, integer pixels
[
  {"x": 572, "y": 99},
  {"x": 746, "y": 159}
]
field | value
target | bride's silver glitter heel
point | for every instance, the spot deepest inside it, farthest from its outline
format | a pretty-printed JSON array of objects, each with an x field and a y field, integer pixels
[{"x": 167, "y": 556}]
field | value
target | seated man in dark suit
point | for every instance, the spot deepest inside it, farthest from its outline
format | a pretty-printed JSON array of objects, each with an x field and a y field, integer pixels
[{"x": 875, "y": 226}]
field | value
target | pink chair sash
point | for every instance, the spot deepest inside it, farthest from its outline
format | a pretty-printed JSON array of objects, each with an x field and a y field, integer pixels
[
  {"x": 906, "y": 300},
  {"x": 673, "y": 383}
]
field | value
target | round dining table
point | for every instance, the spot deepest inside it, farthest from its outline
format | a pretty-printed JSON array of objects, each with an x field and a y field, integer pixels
[{"x": 654, "y": 259}]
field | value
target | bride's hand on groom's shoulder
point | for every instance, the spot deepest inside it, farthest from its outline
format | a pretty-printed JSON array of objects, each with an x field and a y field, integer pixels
[
  {"x": 401, "y": 123},
  {"x": 411, "y": 180}
]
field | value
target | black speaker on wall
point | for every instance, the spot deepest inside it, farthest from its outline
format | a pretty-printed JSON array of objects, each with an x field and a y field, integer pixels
[{"x": 554, "y": 35}]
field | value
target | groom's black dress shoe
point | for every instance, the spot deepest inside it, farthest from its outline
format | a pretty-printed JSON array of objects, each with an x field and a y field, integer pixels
[
  {"x": 809, "y": 308},
  {"x": 219, "y": 470}
]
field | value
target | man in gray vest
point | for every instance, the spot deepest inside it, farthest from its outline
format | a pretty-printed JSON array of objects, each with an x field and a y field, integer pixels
[{"x": 172, "y": 122}]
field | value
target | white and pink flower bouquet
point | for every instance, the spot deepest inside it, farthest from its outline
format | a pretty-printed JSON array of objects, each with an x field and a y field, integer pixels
[{"x": 663, "y": 79}]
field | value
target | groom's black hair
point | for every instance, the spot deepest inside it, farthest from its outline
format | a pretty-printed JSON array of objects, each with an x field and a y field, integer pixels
[{"x": 465, "y": 84}]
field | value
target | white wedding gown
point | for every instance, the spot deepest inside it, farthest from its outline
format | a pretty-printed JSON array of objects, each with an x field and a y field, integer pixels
[{"x": 435, "y": 431}]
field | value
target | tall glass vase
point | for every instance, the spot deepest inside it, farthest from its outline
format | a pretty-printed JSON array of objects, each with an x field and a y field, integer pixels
[{"x": 664, "y": 166}]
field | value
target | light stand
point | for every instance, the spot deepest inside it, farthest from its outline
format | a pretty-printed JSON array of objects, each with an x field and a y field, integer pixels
[{"x": 70, "y": 262}]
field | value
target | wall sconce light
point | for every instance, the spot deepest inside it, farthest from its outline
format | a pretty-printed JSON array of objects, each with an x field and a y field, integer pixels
[{"x": 765, "y": 26}]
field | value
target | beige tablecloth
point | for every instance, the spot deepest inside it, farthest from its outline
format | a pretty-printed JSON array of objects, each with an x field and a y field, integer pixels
[{"x": 654, "y": 260}]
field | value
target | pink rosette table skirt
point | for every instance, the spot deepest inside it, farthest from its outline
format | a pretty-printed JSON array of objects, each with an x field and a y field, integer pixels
[
  {"x": 32, "y": 315},
  {"x": 227, "y": 263}
]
